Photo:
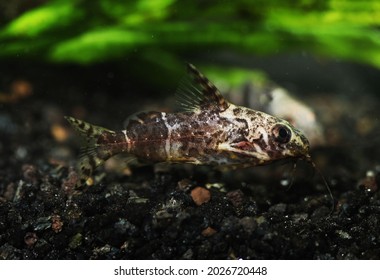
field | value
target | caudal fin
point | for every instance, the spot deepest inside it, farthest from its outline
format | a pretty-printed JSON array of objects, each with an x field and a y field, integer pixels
[{"x": 95, "y": 152}]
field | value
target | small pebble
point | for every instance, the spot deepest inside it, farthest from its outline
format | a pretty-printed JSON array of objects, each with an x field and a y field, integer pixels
[
  {"x": 209, "y": 231},
  {"x": 30, "y": 173},
  {"x": 236, "y": 197},
  {"x": 184, "y": 184},
  {"x": 200, "y": 195},
  {"x": 56, "y": 223},
  {"x": 249, "y": 224},
  {"x": 59, "y": 132},
  {"x": 76, "y": 241},
  {"x": 369, "y": 182},
  {"x": 69, "y": 183},
  {"x": 278, "y": 208},
  {"x": 21, "y": 153},
  {"x": 188, "y": 255},
  {"x": 30, "y": 239},
  {"x": 343, "y": 234}
]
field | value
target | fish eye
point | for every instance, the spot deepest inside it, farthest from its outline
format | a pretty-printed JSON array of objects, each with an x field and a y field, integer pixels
[{"x": 281, "y": 133}]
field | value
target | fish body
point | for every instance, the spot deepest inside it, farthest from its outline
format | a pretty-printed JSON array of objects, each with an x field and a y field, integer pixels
[{"x": 211, "y": 131}]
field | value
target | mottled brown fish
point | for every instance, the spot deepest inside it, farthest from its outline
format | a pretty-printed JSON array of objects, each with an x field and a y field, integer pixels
[{"x": 210, "y": 131}]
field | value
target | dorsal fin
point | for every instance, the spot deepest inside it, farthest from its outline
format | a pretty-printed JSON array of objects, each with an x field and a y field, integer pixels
[{"x": 200, "y": 94}]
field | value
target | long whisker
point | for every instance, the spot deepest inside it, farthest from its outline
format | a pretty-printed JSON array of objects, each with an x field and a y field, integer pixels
[
  {"x": 309, "y": 160},
  {"x": 293, "y": 174}
]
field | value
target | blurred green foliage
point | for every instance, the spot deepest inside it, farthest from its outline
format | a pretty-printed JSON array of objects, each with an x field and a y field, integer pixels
[{"x": 160, "y": 31}]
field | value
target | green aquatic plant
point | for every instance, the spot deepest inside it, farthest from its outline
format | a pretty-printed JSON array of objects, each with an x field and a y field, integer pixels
[{"x": 161, "y": 31}]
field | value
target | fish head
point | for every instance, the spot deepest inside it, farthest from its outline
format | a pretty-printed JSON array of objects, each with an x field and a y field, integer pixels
[{"x": 262, "y": 139}]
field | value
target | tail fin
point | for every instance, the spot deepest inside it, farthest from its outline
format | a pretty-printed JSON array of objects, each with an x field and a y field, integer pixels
[{"x": 95, "y": 153}]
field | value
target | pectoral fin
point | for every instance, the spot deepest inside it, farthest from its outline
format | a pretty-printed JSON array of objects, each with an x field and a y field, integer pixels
[{"x": 261, "y": 156}]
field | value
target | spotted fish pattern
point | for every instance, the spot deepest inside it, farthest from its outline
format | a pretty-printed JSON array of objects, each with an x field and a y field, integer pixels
[{"x": 209, "y": 131}]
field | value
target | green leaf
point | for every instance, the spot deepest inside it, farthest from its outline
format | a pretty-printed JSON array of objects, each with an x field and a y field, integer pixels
[
  {"x": 98, "y": 45},
  {"x": 42, "y": 19}
]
